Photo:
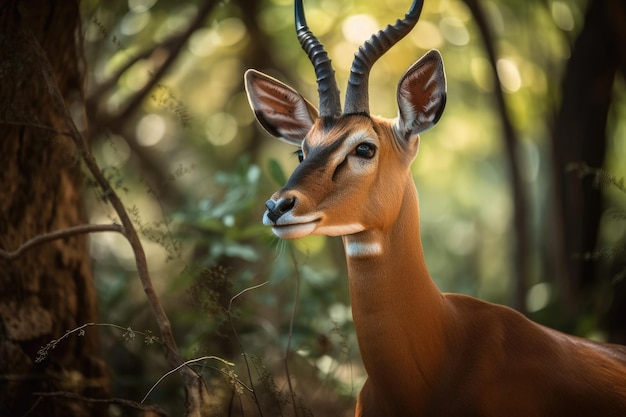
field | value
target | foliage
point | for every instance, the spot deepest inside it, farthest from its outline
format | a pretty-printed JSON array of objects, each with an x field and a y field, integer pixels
[
  {"x": 194, "y": 170},
  {"x": 616, "y": 252}
]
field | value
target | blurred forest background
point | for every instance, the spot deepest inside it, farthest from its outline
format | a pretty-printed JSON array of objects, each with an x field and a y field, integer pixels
[{"x": 521, "y": 196}]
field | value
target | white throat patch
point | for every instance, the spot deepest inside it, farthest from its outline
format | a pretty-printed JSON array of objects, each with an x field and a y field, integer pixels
[{"x": 362, "y": 249}]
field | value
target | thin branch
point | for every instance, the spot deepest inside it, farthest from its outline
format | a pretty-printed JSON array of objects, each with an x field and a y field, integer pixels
[
  {"x": 174, "y": 47},
  {"x": 195, "y": 388},
  {"x": 60, "y": 234},
  {"x": 118, "y": 401},
  {"x": 112, "y": 81},
  {"x": 115, "y": 123},
  {"x": 35, "y": 125},
  {"x": 129, "y": 333},
  {"x": 186, "y": 363},
  {"x": 511, "y": 146},
  {"x": 148, "y": 338},
  {"x": 242, "y": 292},
  {"x": 228, "y": 375},
  {"x": 243, "y": 352},
  {"x": 291, "y": 320},
  {"x": 32, "y": 407}
]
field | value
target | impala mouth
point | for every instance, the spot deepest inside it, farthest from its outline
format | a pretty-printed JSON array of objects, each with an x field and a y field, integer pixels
[
  {"x": 292, "y": 231},
  {"x": 289, "y": 226}
]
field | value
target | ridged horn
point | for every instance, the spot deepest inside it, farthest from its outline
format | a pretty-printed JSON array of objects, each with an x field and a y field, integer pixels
[
  {"x": 330, "y": 103},
  {"x": 357, "y": 94}
]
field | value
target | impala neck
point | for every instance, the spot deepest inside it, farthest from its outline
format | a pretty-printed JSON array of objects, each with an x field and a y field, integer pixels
[{"x": 398, "y": 311}]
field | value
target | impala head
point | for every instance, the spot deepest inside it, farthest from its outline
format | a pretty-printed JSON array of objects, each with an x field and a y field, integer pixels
[{"x": 354, "y": 167}]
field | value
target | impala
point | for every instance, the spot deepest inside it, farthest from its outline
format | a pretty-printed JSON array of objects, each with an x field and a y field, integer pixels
[{"x": 425, "y": 353}]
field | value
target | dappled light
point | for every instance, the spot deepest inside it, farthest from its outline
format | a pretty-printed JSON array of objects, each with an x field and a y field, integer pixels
[
  {"x": 357, "y": 28},
  {"x": 562, "y": 15},
  {"x": 461, "y": 172},
  {"x": 454, "y": 31},
  {"x": 150, "y": 130},
  {"x": 169, "y": 122},
  {"x": 466, "y": 208},
  {"x": 509, "y": 75}
]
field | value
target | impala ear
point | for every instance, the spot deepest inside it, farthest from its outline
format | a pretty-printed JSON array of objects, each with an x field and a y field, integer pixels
[
  {"x": 421, "y": 96},
  {"x": 280, "y": 109}
]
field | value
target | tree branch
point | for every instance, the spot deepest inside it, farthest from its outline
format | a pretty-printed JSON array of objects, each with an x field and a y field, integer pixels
[
  {"x": 195, "y": 389},
  {"x": 119, "y": 401},
  {"x": 511, "y": 142},
  {"x": 115, "y": 123},
  {"x": 173, "y": 46},
  {"x": 60, "y": 234},
  {"x": 291, "y": 320}
]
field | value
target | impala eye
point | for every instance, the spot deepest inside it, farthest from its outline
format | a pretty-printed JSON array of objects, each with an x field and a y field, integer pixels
[
  {"x": 365, "y": 150},
  {"x": 300, "y": 155}
]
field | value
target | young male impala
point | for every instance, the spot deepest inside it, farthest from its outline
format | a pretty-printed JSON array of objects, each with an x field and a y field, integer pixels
[{"x": 426, "y": 353}]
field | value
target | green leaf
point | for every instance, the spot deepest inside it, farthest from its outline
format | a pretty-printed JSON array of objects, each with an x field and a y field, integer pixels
[{"x": 276, "y": 172}]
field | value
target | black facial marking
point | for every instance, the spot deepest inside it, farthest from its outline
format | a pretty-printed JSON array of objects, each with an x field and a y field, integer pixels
[
  {"x": 339, "y": 168},
  {"x": 317, "y": 158},
  {"x": 328, "y": 122}
]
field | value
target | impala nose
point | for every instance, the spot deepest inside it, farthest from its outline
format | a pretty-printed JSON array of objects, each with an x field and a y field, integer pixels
[{"x": 275, "y": 209}]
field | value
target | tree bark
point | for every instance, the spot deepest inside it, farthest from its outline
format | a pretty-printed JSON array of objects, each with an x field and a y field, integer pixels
[
  {"x": 580, "y": 137},
  {"x": 49, "y": 289}
]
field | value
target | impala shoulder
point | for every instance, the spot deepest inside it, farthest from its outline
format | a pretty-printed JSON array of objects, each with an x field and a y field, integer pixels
[
  {"x": 500, "y": 327},
  {"x": 503, "y": 329}
]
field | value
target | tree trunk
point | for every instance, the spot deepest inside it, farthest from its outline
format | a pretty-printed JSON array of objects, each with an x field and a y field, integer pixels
[
  {"x": 49, "y": 289},
  {"x": 580, "y": 137}
]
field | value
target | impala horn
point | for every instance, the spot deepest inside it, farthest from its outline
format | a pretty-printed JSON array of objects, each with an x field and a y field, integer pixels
[
  {"x": 330, "y": 104},
  {"x": 357, "y": 100}
]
